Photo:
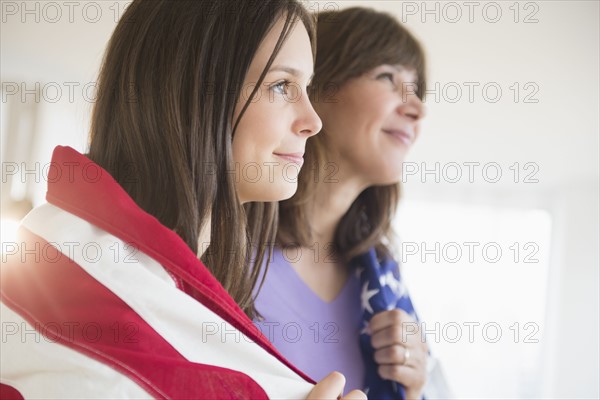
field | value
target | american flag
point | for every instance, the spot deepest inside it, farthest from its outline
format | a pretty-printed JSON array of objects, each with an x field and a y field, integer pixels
[{"x": 99, "y": 300}]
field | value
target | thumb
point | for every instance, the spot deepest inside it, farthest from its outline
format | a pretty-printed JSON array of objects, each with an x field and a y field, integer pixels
[{"x": 331, "y": 387}]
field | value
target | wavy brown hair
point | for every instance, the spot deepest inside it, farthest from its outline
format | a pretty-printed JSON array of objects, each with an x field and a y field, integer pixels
[
  {"x": 350, "y": 43},
  {"x": 163, "y": 125}
]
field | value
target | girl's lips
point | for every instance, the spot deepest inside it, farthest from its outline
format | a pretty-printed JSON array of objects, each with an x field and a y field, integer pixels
[
  {"x": 297, "y": 158},
  {"x": 400, "y": 135}
]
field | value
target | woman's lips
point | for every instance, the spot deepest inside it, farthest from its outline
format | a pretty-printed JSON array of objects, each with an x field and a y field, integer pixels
[
  {"x": 401, "y": 135},
  {"x": 296, "y": 158}
]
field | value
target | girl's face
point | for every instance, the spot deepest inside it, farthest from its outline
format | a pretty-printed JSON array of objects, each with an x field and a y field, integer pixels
[
  {"x": 372, "y": 124},
  {"x": 268, "y": 145}
]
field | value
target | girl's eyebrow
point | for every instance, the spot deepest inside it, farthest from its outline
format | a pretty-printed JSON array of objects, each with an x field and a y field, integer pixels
[
  {"x": 284, "y": 68},
  {"x": 292, "y": 71}
]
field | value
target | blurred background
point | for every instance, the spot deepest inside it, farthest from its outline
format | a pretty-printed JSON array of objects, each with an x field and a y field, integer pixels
[{"x": 499, "y": 222}]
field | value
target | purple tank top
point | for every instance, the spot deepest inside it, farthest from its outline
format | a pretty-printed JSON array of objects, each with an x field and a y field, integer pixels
[{"x": 316, "y": 336}]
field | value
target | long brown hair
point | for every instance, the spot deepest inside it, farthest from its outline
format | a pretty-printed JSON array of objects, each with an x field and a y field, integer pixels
[
  {"x": 163, "y": 126},
  {"x": 350, "y": 43}
]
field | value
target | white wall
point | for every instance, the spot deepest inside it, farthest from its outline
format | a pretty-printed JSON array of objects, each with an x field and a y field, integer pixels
[{"x": 559, "y": 134}]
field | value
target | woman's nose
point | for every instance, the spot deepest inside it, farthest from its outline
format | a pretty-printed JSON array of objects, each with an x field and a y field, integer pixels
[
  {"x": 411, "y": 106},
  {"x": 309, "y": 122}
]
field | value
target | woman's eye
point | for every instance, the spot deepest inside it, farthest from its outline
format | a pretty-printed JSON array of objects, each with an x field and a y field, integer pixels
[
  {"x": 386, "y": 75},
  {"x": 281, "y": 87}
]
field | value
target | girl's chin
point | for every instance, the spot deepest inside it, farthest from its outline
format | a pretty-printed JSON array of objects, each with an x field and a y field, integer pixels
[
  {"x": 289, "y": 191},
  {"x": 276, "y": 191}
]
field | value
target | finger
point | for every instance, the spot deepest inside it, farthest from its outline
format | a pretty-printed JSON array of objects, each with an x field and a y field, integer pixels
[
  {"x": 388, "y": 318},
  {"x": 396, "y": 354},
  {"x": 355, "y": 395},
  {"x": 407, "y": 376},
  {"x": 330, "y": 387},
  {"x": 389, "y": 336},
  {"x": 406, "y": 333}
]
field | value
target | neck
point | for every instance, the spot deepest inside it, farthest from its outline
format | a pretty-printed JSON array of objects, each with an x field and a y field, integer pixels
[
  {"x": 331, "y": 201},
  {"x": 320, "y": 267}
]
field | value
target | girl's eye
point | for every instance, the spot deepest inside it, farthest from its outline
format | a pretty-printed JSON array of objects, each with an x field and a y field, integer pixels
[{"x": 281, "y": 87}]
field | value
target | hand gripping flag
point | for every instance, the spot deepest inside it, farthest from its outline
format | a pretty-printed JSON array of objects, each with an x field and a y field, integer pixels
[{"x": 381, "y": 290}]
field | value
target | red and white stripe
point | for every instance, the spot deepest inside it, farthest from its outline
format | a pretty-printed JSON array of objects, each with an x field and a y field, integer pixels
[{"x": 183, "y": 347}]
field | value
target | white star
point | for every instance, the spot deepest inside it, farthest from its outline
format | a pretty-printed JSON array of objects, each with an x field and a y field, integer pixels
[
  {"x": 388, "y": 279},
  {"x": 366, "y": 295}
]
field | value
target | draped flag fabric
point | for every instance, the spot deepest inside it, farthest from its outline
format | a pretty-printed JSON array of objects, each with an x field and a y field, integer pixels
[
  {"x": 99, "y": 300},
  {"x": 381, "y": 290}
]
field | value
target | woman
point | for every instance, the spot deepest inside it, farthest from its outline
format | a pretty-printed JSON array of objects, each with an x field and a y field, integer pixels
[
  {"x": 333, "y": 278},
  {"x": 105, "y": 296}
]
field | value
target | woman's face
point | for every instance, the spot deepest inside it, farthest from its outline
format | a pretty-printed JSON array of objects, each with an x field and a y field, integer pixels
[
  {"x": 372, "y": 124},
  {"x": 268, "y": 144}
]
